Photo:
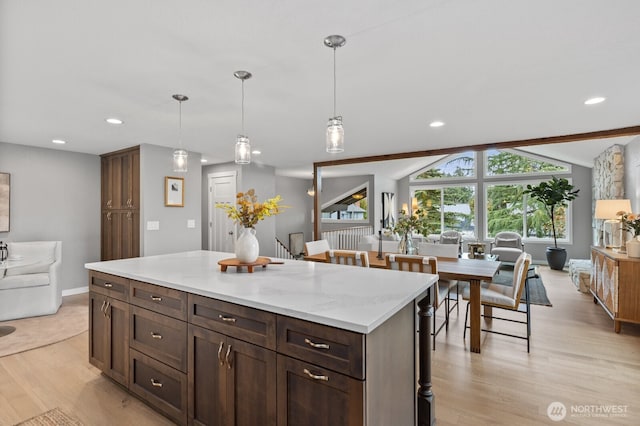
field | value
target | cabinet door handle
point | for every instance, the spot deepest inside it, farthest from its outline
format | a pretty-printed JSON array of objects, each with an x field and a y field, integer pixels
[
  {"x": 315, "y": 376},
  {"x": 108, "y": 285},
  {"x": 156, "y": 383},
  {"x": 227, "y": 319},
  {"x": 129, "y": 215},
  {"x": 109, "y": 204},
  {"x": 220, "y": 359},
  {"x": 156, "y": 335},
  {"x": 107, "y": 313},
  {"x": 156, "y": 298},
  {"x": 227, "y": 357},
  {"x": 104, "y": 302},
  {"x": 109, "y": 216},
  {"x": 316, "y": 345}
]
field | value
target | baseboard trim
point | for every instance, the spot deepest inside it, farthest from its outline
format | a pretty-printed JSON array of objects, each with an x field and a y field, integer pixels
[{"x": 77, "y": 290}]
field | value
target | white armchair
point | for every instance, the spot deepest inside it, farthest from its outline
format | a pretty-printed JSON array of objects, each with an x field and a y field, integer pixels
[
  {"x": 30, "y": 280},
  {"x": 507, "y": 246}
]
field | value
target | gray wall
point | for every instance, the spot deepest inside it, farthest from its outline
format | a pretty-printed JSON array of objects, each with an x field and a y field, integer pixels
[
  {"x": 632, "y": 173},
  {"x": 55, "y": 195},
  {"x": 173, "y": 235},
  {"x": 296, "y": 218}
]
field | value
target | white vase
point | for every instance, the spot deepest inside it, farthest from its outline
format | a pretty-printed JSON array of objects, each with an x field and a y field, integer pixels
[
  {"x": 633, "y": 247},
  {"x": 247, "y": 247}
]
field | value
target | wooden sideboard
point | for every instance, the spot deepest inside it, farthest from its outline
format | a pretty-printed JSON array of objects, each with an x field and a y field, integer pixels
[{"x": 614, "y": 285}]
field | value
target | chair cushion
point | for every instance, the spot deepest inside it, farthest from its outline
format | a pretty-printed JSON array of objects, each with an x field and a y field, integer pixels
[
  {"x": 448, "y": 240},
  {"x": 23, "y": 281},
  {"x": 506, "y": 254},
  {"x": 37, "y": 255},
  {"x": 494, "y": 294}
]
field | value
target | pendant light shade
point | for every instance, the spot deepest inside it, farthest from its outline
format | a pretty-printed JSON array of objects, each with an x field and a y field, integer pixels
[
  {"x": 335, "y": 131},
  {"x": 180, "y": 156},
  {"x": 243, "y": 146}
]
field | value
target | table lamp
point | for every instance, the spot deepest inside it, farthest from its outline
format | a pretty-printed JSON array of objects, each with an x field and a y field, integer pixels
[{"x": 608, "y": 210}]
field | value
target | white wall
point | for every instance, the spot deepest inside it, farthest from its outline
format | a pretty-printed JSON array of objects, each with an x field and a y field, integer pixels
[
  {"x": 632, "y": 173},
  {"x": 173, "y": 235},
  {"x": 55, "y": 195}
]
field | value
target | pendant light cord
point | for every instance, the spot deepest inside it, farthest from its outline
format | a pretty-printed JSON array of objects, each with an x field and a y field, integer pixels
[
  {"x": 334, "y": 81},
  {"x": 242, "y": 107},
  {"x": 180, "y": 124}
]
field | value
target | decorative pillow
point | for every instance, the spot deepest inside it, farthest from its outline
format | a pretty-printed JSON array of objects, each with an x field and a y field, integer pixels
[
  {"x": 449, "y": 240},
  {"x": 37, "y": 257},
  {"x": 507, "y": 242}
]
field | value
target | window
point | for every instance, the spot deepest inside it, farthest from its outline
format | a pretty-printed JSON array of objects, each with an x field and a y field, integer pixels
[
  {"x": 450, "y": 207},
  {"x": 351, "y": 206},
  {"x": 508, "y": 209},
  {"x": 461, "y": 165},
  {"x": 512, "y": 163}
]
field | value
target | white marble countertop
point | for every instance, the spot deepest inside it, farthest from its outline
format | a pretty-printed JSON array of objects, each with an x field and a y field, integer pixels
[{"x": 347, "y": 297}]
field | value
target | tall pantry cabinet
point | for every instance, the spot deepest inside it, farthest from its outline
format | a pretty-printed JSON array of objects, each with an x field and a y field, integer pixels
[{"x": 120, "y": 204}]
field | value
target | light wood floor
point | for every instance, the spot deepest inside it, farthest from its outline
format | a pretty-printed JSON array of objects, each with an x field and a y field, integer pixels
[{"x": 575, "y": 358}]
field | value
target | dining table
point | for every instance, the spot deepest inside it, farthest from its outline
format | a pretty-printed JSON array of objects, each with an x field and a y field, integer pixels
[{"x": 473, "y": 271}]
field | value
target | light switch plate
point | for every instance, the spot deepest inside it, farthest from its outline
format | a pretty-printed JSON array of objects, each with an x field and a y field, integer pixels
[
  {"x": 191, "y": 223},
  {"x": 153, "y": 225}
]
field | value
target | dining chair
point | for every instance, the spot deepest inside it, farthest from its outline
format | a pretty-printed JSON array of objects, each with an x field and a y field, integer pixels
[
  {"x": 428, "y": 265},
  {"x": 316, "y": 247},
  {"x": 348, "y": 257},
  {"x": 507, "y": 297}
]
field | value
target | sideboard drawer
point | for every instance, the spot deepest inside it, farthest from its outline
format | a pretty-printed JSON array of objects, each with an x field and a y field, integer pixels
[
  {"x": 164, "y": 300},
  {"x": 159, "y": 336},
  {"x": 109, "y": 285},
  {"x": 240, "y": 322},
  {"x": 159, "y": 385},
  {"x": 329, "y": 347}
]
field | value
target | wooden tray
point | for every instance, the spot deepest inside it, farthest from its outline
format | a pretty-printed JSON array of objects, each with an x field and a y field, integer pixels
[{"x": 260, "y": 261}]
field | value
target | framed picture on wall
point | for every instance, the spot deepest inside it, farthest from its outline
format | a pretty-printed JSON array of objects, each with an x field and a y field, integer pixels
[
  {"x": 173, "y": 191},
  {"x": 5, "y": 198}
]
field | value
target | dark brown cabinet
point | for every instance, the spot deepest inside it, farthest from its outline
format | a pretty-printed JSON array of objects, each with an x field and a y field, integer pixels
[
  {"x": 120, "y": 204},
  {"x": 231, "y": 382},
  {"x": 109, "y": 336}
]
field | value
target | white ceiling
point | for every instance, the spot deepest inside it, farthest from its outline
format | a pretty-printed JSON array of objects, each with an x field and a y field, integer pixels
[{"x": 492, "y": 70}]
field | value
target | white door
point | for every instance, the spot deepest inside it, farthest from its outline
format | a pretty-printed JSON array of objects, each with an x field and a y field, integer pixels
[{"x": 222, "y": 230}]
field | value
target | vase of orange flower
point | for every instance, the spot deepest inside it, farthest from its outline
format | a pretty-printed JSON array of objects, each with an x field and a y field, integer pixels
[{"x": 247, "y": 213}]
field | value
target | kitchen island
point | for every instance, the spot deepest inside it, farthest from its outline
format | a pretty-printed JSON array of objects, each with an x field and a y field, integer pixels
[{"x": 293, "y": 343}]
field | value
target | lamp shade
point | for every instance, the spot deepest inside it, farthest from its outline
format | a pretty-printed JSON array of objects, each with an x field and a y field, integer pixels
[{"x": 608, "y": 209}]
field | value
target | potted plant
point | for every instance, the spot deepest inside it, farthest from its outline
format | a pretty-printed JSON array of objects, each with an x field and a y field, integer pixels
[
  {"x": 553, "y": 194},
  {"x": 407, "y": 225}
]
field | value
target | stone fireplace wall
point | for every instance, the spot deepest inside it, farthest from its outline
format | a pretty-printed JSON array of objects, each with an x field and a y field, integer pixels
[{"x": 608, "y": 182}]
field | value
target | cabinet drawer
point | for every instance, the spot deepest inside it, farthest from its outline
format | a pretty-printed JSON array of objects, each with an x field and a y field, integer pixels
[
  {"x": 248, "y": 324},
  {"x": 329, "y": 347},
  {"x": 159, "y": 385},
  {"x": 164, "y": 300},
  {"x": 311, "y": 395},
  {"x": 109, "y": 285},
  {"x": 159, "y": 336}
]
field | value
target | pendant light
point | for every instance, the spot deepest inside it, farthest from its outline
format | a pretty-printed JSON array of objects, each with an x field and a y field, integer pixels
[
  {"x": 179, "y": 154},
  {"x": 335, "y": 132},
  {"x": 243, "y": 146}
]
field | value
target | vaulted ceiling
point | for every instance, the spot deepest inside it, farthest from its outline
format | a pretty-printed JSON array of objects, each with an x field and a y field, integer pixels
[{"x": 491, "y": 70}]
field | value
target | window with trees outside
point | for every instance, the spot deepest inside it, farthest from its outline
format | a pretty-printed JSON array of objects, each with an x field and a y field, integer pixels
[
  {"x": 462, "y": 165},
  {"x": 449, "y": 207}
]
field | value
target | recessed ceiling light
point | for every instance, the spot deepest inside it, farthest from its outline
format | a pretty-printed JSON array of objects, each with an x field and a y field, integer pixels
[
  {"x": 436, "y": 124},
  {"x": 59, "y": 141},
  {"x": 256, "y": 152},
  {"x": 113, "y": 120},
  {"x": 594, "y": 101},
  {"x": 203, "y": 160}
]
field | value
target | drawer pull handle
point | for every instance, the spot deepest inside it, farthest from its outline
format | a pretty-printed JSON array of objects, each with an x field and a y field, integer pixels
[
  {"x": 107, "y": 312},
  {"x": 227, "y": 319},
  {"x": 156, "y": 336},
  {"x": 227, "y": 357},
  {"x": 102, "y": 309},
  {"x": 220, "y": 359},
  {"x": 316, "y": 345},
  {"x": 156, "y": 298},
  {"x": 108, "y": 285},
  {"x": 315, "y": 376},
  {"x": 156, "y": 383}
]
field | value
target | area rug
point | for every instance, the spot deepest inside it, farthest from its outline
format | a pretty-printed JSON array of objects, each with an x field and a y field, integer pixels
[
  {"x": 71, "y": 319},
  {"x": 537, "y": 292},
  {"x": 55, "y": 417}
]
